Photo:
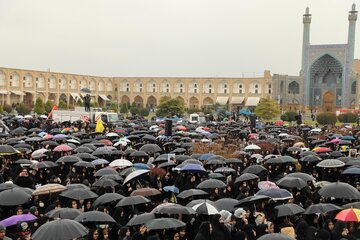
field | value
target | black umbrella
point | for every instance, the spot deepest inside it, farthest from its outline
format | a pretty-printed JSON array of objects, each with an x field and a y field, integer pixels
[
  {"x": 205, "y": 208},
  {"x": 351, "y": 205},
  {"x": 84, "y": 164},
  {"x": 132, "y": 200},
  {"x": 105, "y": 183},
  {"x": 175, "y": 209},
  {"x": 164, "y": 223},
  {"x": 304, "y": 176},
  {"x": 106, "y": 171},
  {"x": 251, "y": 200},
  {"x": 97, "y": 217},
  {"x": 79, "y": 194},
  {"x": 140, "y": 219},
  {"x": 7, "y": 150},
  {"x": 64, "y": 213},
  {"x": 254, "y": 169},
  {"x": 211, "y": 183},
  {"x": 288, "y": 209},
  {"x": 77, "y": 186},
  {"x": 246, "y": 177},
  {"x": 166, "y": 164},
  {"x": 191, "y": 192},
  {"x": 7, "y": 185},
  {"x": 68, "y": 159},
  {"x": 23, "y": 161},
  {"x": 292, "y": 182},
  {"x": 310, "y": 158},
  {"x": 20, "y": 131},
  {"x": 82, "y": 149},
  {"x": 179, "y": 150},
  {"x": 107, "y": 198},
  {"x": 322, "y": 208},
  {"x": 275, "y": 236},
  {"x": 339, "y": 190},
  {"x": 60, "y": 230},
  {"x": 139, "y": 154},
  {"x": 150, "y": 148},
  {"x": 14, "y": 197},
  {"x": 86, "y": 156},
  {"x": 227, "y": 204},
  {"x": 50, "y": 143}
]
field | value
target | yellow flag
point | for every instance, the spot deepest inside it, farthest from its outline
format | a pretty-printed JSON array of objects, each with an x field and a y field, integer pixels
[{"x": 99, "y": 126}]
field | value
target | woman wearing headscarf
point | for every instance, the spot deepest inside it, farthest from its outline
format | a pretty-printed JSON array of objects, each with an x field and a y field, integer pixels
[
  {"x": 261, "y": 230},
  {"x": 220, "y": 231},
  {"x": 205, "y": 232}
]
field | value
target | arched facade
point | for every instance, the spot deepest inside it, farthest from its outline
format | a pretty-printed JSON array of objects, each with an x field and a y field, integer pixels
[
  {"x": 28, "y": 81},
  {"x": 194, "y": 102},
  {"x": 125, "y": 99},
  {"x": 165, "y": 86},
  {"x": 40, "y": 82},
  {"x": 138, "y": 100},
  {"x": 52, "y": 83},
  {"x": 223, "y": 87},
  {"x": 14, "y": 80},
  {"x": 239, "y": 87},
  {"x": 209, "y": 87},
  {"x": 208, "y": 101},
  {"x": 151, "y": 103},
  {"x": 2, "y": 79}
]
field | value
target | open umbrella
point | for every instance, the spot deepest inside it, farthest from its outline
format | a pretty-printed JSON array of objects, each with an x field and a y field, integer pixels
[
  {"x": 132, "y": 201},
  {"x": 193, "y": 168},
  {"x": 251, "y": 200},
  {"x": 191, "y": 192},
  {"x": 7, "y": 185},
  {"x": 107, "y": 198},
  {"x": 339, "y": 190},
  {"x": 175, "y": 209},
  {"x": 79, "y": 194},
  {"x": 62, "y": 148},
  {"x": 7, "y": 150},
  {"x": 275, "y": 193},
  {"x": 254, "y": 169},
  {"x": 252, "y": 147},
  {"x": 104, "y": 182},
  {"x": 64, "y": 213},
  {"x": 292, "y": 182},
  {"x": 48, "y": 189},
  {"x": 140, "y": 219},
  {"x": 351, "y": 205},
  {"x": 304, "y": 176},
  {"x": 205, "y": 208},
  {"x": 330, "y": 163},
  {"x": 135, "y": 174},
  {"x": 322, "y": 208},
  {"x": 211, "y": 183},
  {"x": 246, "y": 177},
  {"x": 13, "y": 220},
  {"x": 349, "y": 215},
  {"x": 105, "y": 171},
  {"x": 275, "y": 236},
  {"x": 164, "y": 223},
  {"x": 97, "y": 217},
  {"x": 60, "y": 230},
  {"x": 150, "y": 148},
  {"x": 288, "y": 209},
  {"x": 227, "y": 204},
  {"x": 146, "y": 192},
  {"x": 14, "y": 197},
  {"x": 120, "y": 163}
]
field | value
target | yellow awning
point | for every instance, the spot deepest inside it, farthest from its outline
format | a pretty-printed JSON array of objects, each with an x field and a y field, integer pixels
[
  {"x": 18, "y": 93},
  {"x": 222, "y": 100},
  {"x": 252, "y": 101},
  {"x": 237, "y": 100}
]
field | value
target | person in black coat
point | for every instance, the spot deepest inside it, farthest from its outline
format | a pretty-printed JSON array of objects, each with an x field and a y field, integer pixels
[
  {"x": 220, "y": 231},
  {"x": 205, "y": 232}
]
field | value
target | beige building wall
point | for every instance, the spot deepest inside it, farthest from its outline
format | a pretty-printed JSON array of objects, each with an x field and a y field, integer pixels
[{"x": 18, "y": 85}]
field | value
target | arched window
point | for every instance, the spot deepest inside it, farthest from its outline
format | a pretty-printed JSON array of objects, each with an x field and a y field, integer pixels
[
  {"x": 2, "y": 79},
  {"x": 294, "y": 88},
  {"x": 269, "y": 88},
  {"x": 255, "y": 88},
  {"x": 353, "y": 88}
]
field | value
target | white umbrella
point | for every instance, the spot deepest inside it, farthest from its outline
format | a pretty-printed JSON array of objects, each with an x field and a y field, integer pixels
[
  {"x": 330, "y": 163},
  {"x": 112, "y": 134},
  {"x": 252, "y": 147},
  {"x": 315, "y": 130},
  {"x": 135, "y": 174},
  {"x": 120, "y": 163},
  {"x": 283, "y": 135},
  {"x": 205, "y": 209},
  {"x": 39, "y": 151}
]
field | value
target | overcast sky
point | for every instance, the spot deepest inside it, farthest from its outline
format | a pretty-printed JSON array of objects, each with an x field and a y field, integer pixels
[{"x": 199, "y": 38}]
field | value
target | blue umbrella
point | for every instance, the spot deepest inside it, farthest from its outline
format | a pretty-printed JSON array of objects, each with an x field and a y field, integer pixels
[
  {"x": 348, "y": 137},
  {"x": 100, "y": 161},
  {"x": 85, "y": 90},
  {"x": 205, "y": 156},
  {"x": 193, "y": 167},
  {"x": 141, "y": 166},
  {"x": 352, "y": 171},
  {"x": 244, "y": 112},
  {"x": 171, "y": 189}
]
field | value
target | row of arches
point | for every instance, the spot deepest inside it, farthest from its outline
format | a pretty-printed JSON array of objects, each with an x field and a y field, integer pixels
[
  {"x": 194, "y": 87},
  {"x": 151, "y": 102},
  {"x": 63, "y": 83}
]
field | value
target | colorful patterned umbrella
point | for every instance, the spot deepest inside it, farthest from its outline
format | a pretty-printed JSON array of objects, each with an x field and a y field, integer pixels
[
  {"x": 349, "y": 215},
  {"x": 62, "y": 148}
]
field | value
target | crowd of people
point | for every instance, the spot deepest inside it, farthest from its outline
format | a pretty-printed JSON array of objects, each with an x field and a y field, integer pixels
[{"x": 215, "y": 180}]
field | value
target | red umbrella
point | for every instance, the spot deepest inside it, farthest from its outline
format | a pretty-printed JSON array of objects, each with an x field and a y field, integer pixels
[
  {"x": 107, "y": 142},
  {"x": 322, "y": 150},
  {"x": 145, "y": 192},
  {"x": 349, "y": 215},
  {"x": 62, "y": 148},
  {"x": 279, "y": 123}
]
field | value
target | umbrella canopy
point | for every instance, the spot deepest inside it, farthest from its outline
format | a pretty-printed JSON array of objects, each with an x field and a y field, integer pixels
[
  {"x": 292, "y": 182},
  {"x": 107, "y": 198},
  {"x": 304, "y": 176},
  {"x": 275, "y": 193},
  {"x": 164, "y": 223},
  {"x": 351, "y": 205},
  {"x": 191, "y": 167},
  {"x": 321, "y": 208},
  {"x": 191, "y": 192},
  {"x": 150, "y": 148},
  {"x": 349, "y": 215},
  {"x": 64, "y": 213},
  {"x": 252, "y": 147},
  {"x": 105, "y": 182},
  {"x": 146, "y": 192},
  {"x": 205, "y": 208},
  {"x": 339, "y": 190},
  {"x": 7, "y": 150},
  {"x": 68, "y": 159},
  {"x": 135, "y": 174},
  {"x": 62, "y": 148},
  {"x": 211, "y": 183},
  {"x": 94, "y": 217},
  {"x": 14, "y": 197},
  {"x": 275, "y": 236},
  {"x": 227, "y": 204},
  {"x": 49, "y": 188},
  {"x": 267, "y": 185},
  {"x": 60, "y": 230},
  {"x": 246, "y": 177},
  {"x": 254, "y": 169},
  {"x": 288, "y": 209},
  {"x": 13, "y": 220},
  {"x": 120, "y": 163},
  {"x": 7, "y": 185},
  {"x": 175, "y": 209},
  {"x": 140, "y": 219},
  {"x": 132, "y": 201},
  {"x": 106, "y": 171},
  {"x": 249, "y": 201},
  {"x": 330, "y": 163},
  {"x": 79, "y": 194}
]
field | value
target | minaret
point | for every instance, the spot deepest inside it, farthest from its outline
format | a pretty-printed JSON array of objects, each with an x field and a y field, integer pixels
[
  {"x": 351, "y": 34},
  {"x": 306, "y": 37}
]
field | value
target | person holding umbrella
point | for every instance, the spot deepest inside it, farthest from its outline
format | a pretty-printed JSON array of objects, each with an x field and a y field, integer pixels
[{"x": 205, "y": 232}]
